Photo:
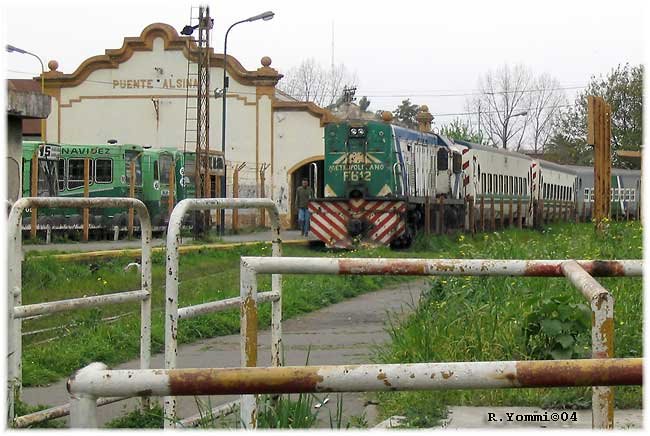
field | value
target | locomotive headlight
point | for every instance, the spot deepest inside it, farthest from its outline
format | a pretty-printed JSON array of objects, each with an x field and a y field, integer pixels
[{"x": 357, "y": 132}]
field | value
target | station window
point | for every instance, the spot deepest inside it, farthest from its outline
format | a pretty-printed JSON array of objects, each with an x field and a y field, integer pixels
[
  {"x": 104, "y": 170},
  {"x": 615, "y": 194},
  {"x": 633, "y": 194},
  {"x": 62, "y": 177},
  {"x": 76, "y": 173}
]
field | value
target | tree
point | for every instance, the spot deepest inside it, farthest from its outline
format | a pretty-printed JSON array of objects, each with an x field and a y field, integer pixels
[
  {"x": 405, "y": 114},
  {"x": 459, "y": 129},
  {"x": 364, "y": 103},
  {"x": 310, "y": 81},
  {"x": 504, "y": 95},
  {"x": 622, "y": 88},
  {"x": 545, "y": 101}
]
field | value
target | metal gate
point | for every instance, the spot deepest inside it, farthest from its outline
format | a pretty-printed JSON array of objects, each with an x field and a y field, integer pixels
[
  {"x": 17, "y": 311},
  {"x": 173, "y": 314},
  {"x": 580, "y": 273}
]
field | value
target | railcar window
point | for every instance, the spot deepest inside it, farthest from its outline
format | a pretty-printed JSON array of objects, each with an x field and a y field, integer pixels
[
  {"x": 76, "y": 173},
  {"x": 525, "y": 186},
  {"x": 510, "y": 185},
  {"x": 443, "y": 159},
  {"x": 500, "y": 184},
  {"x": 62, "y": 175},
  {"x": 489, "y": 182},
  {"x": 457, "y": 163},
  {"x": 165, "y": 165},
  {"x": 129, "y": 157},
  {"x": 47, "y": 186},
  {"x": 104, "y": 170},
  {"x": 495, "y": 183},
  {"x": 156, "y": 173}
]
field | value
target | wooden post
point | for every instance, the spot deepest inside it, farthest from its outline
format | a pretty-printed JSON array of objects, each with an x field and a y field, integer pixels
[
  {"x": 172, "y": 188},
  {"x": 441, "y": 214},
  {"x": 86, "y": 192},
  {"x": 470, "y": 204},
  {"x": 501, "y": 216},
  {"x": 235, "y": 194},
  {"x": 493, "y": 225},
  {"x": 482, "y": 212},
  {"x": 263, "y": 169},
  {"x": 599, "y": 135},
  {"x": 34, "y": 192},
  {"x": 132, "y": 195},
  {"x": 427, "y": 215},
  {"x": 511, "y": 211},
  {"x": 519, "y": 217}
]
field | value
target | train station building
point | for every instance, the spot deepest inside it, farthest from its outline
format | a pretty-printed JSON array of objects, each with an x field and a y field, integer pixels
[{"x": 137, "y": 94}]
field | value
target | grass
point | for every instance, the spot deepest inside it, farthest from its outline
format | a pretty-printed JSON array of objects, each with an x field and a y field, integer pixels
[
  {"x": 68, "y": 341},
  {"x": 489, "y": 318}
]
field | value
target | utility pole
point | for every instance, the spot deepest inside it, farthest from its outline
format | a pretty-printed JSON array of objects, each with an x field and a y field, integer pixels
[
  {"x": 599, "y": 117},
  {"x": 202, "y": 171}
]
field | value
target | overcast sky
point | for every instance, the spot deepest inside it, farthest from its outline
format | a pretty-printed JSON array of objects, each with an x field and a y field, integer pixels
[{"x": 398, "y": 49}]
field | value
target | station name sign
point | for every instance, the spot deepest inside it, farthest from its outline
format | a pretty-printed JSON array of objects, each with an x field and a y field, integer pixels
[{"x": 155, "y": 83}]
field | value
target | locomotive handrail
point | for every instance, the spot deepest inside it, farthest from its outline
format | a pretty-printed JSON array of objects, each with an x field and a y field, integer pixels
[
  {"x": 16, "y": 310},
  {"x": 172, "y": 312}
]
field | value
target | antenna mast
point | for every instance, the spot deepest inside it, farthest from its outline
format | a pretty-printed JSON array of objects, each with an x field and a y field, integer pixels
[{"x": 202, "y": 171}]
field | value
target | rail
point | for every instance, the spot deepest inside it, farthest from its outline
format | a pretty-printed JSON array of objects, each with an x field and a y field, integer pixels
[
  {"x": 96, "y": 380},
  {"x": 577, "y": 271},
  {"x": 17, "y": 311},
  {"x": 173, "y": 313}
]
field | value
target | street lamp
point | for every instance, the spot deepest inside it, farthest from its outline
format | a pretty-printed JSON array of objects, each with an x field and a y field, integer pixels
[
  {"x": 12, "y": 49},
  {"x": 265, "y": 16}
]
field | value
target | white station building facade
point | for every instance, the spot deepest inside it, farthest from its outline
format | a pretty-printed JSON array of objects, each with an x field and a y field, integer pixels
[{"x": 137, "y": 94}]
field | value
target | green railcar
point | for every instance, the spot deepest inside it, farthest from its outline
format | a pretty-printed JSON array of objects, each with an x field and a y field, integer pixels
[{"x": 109, "y": 176}]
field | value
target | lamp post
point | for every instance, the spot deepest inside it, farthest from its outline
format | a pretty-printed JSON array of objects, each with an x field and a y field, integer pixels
[
  {"x": 266, "y": 16},
  {"x": 12, "y": 49},
  {"x": 34, "y": 180}
]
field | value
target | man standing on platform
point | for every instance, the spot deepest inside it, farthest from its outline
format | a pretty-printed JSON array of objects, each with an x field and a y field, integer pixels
[{"x": 304, "y": 193}]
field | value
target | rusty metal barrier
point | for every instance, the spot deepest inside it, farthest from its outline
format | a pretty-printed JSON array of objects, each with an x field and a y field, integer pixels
[
  {"x": 96, "y": 380},
  {"x": 577, "y": 271},
  {"x": 17, "y": 311},
  {"x": 172, "y": 312}
]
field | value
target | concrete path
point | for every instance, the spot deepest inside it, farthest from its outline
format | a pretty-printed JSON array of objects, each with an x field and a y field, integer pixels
[
  {"x": 343, "y": 333},
  {"x": 287, "y": 235}
]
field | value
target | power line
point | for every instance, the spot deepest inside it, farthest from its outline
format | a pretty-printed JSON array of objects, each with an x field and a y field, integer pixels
[{"x": 497, "y": 112}]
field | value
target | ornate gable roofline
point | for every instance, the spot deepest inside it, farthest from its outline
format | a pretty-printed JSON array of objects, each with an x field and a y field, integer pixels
[{"x": 264, "y": 76}]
